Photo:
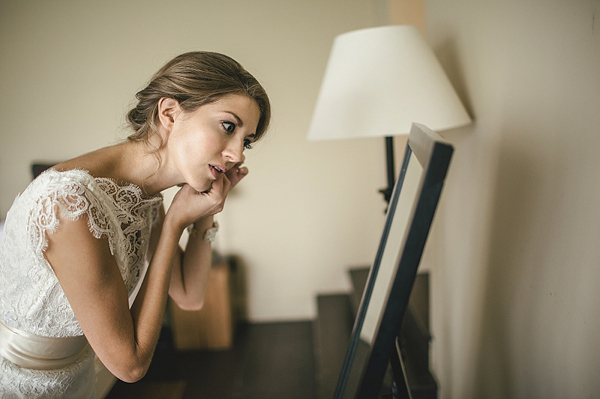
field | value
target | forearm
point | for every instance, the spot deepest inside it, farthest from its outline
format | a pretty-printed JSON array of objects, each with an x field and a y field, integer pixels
[
  {"x": 148, "y": 309},
  {"x": 191, "y": 269},
  {"x": 123, "y": 338}
]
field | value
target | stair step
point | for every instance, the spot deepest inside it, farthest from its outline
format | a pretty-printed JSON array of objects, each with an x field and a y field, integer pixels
[{"x": 333, "y": 328}]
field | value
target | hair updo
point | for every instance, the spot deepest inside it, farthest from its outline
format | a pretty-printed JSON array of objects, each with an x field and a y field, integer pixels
[{"x": 194, "y": 79}]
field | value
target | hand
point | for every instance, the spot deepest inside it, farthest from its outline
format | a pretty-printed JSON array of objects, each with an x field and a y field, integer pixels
[
  {"x": 190, "y": 205},
  {"x": 235, "y": 174}
]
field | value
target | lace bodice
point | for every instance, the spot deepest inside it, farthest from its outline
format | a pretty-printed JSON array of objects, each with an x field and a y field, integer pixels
[{"x": 31, "y": 298}]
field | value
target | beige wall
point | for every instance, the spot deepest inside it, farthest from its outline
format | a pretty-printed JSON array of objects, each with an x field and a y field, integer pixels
[
  {"x": 515, "y": 249},
  {"x": 69, "y": 71}
]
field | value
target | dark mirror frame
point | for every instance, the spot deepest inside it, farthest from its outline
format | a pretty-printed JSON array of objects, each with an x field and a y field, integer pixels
[{"x": 434, "y": 154}]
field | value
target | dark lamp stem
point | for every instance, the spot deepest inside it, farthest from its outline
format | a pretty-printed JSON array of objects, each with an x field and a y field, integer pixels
[{"x": 389, "y": 152}]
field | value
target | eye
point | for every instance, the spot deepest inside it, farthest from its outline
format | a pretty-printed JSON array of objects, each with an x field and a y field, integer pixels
[
  {"x": 247, "y": 144},
  {"x": 229, "y": 127}
]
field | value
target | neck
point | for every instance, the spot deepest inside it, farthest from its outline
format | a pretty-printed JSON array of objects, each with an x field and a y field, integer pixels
[
  {"x": 129, "y": 162},
  {"x": 139, "y": 164}
]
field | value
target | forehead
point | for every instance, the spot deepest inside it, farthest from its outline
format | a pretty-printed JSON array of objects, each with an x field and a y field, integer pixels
[{"x": 241, "y": 105}]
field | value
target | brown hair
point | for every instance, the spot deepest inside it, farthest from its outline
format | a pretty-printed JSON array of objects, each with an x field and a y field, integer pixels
[{"x": 194, "y": 79}]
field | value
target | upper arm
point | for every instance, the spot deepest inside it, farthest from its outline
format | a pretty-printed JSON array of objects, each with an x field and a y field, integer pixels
[{"x": 91, "y": 280}]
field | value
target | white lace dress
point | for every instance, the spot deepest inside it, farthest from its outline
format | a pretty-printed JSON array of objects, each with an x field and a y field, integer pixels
[{"x": 31, "y": 298}]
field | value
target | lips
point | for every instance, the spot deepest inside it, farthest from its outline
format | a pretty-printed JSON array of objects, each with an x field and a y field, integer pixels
[{"x": 216, "y": 170}]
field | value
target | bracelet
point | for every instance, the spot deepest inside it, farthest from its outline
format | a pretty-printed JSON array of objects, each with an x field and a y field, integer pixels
[{"x": 209, "y": 234}]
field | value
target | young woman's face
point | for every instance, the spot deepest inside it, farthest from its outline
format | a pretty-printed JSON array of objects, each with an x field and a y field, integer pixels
[{"x": 207, "y": 142}]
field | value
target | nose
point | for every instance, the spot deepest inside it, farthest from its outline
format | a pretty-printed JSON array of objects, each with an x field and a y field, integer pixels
[{"x": 234, "y": 152}]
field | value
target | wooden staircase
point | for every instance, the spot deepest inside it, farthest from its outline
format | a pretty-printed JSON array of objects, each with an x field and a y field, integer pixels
[{"x": 333, "y": 328}]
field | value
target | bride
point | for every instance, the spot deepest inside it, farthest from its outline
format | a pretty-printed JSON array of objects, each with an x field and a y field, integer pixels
[{"x": 90, "y": 233}]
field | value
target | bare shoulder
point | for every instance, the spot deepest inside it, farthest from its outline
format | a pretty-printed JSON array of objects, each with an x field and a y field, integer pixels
[{"x": 98, "y": 163}]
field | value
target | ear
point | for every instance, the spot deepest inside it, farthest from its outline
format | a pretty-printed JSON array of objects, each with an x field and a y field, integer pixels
[{"x": 168, "y": 110}]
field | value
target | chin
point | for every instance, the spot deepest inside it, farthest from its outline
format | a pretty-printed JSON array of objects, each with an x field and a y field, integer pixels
[
  {"x": 200, "y": 186},
  {"x": 207, "y": 189}
]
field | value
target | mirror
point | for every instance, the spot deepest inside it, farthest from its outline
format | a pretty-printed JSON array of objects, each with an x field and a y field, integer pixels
[{"x": 392, "y": 275}]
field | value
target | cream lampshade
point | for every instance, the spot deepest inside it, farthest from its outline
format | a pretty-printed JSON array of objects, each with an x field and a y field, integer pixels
[{"x": 378, "y": 81}]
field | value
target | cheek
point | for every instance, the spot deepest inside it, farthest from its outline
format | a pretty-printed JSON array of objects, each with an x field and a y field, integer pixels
[
  {"x": 182, "y": 152},
  {"x": 198, "y": 151},
  {"x": 195, "y": 143}
]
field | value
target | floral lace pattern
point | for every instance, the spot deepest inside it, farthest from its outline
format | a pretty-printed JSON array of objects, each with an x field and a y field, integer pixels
[
  {"x": 31, "y": 297},
  {"x": 67, "y": 383}
]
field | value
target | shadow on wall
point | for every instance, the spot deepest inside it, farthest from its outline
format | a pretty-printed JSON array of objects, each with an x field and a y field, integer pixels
[
  {"x": 515, "y": 267},
  {"x": 447, "y": 55}
]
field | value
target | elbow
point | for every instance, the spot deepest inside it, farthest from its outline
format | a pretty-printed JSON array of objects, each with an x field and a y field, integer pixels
[
  {"x": 185, "y": 301},
  {"x": 133, "y": 374},
  {"x": 191, "y": 306},
  {"x": 129, "y": 370},
  {"x": 128, "y": 364}
]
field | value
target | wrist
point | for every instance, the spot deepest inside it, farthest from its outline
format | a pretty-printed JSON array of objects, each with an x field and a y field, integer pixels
[
  {"x": 172, "y": 225},
  {"x": 206, "y": 229}
]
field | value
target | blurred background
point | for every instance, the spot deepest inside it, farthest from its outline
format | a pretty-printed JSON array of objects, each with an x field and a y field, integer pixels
[{"x": 514, "y": 252}]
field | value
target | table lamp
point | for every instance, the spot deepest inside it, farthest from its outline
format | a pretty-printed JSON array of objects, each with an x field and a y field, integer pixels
[{"x": 377, "y": 82}]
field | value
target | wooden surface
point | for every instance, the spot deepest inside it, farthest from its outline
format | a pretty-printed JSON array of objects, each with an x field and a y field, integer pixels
[
  {"x": 212, "y": 326},
  {"x": 267, "y": 360}
]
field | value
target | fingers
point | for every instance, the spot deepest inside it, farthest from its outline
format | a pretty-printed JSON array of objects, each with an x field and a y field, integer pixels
[
  {"x": 220, "y": 187},
  {"x": 236, "y": 174},
  {"x": 192, "y": 205}
]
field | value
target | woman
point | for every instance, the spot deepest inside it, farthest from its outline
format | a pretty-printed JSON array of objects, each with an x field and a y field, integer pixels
[{"x": 89, "y": 233}]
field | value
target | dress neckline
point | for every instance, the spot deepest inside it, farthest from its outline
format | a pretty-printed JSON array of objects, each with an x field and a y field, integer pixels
[{"x": 127, "y": 186}]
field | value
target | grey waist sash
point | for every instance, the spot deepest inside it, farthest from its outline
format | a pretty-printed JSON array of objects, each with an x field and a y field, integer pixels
[{"x": 36, "y": 352}]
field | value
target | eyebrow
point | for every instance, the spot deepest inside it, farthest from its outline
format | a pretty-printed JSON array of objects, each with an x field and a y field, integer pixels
[{"x": 237, "y": 118}]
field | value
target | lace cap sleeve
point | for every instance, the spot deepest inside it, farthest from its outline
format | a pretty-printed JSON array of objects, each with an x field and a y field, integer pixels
[{"x": 70, "y": 195}]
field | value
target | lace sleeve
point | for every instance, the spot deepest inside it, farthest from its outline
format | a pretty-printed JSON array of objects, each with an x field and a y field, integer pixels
[{"x": 70, "y": 199}]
